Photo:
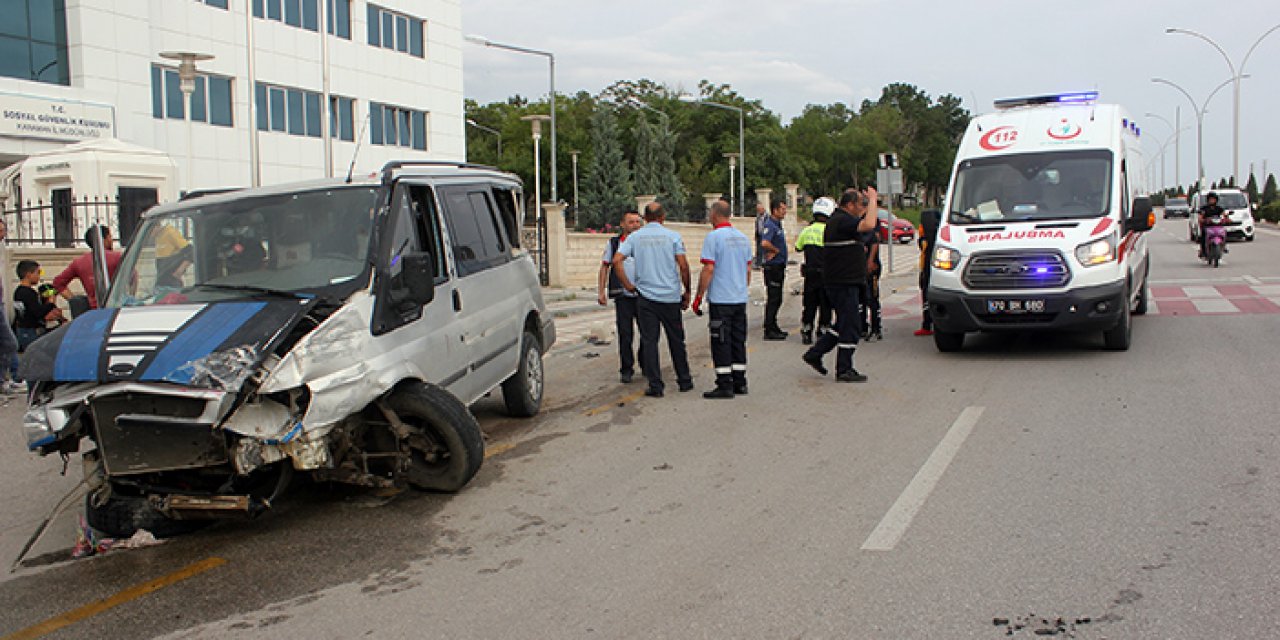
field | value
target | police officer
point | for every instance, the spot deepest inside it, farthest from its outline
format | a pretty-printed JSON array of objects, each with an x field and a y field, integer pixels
[
  {"x": 869, "y": 311},
  {"x": 844, "y": 271},
  {"x": 773, "y": 245},
  {"x": 726, "y": 272},
  {"x": 608, "y": 286},
  {"x": 810, "y": 244},
  {"x": 929, "y": 222}
]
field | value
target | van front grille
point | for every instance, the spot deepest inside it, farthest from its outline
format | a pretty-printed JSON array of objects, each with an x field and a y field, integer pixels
[{"x": 997, "y": 270}]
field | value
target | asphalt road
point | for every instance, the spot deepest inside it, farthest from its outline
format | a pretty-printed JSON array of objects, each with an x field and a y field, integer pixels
[{"x": 976, "y": 495}]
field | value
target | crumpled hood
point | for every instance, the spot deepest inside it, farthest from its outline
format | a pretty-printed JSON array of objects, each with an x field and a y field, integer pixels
[{"x": 215, "y": 345}]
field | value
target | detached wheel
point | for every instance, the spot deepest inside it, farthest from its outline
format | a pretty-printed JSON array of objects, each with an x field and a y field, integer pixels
[
  {"x": 446, "y": 447},
  {"x": 522, "y": 392},
  {"x": 122, "y": 516},
  {"x": 1119, "y": 337},
  {"x": 948, "y": 342}
]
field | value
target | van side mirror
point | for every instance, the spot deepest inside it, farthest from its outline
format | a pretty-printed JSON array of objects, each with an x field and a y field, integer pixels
[
  {"x": 417, "y": 279},
  {"x": 1142, "y": 216}
]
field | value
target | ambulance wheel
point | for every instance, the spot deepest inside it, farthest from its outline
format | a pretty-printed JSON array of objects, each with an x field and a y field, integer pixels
[
  {"x": 1143, "y": 297},
  {"x": 1119, "y": 337},
  {"x": 947, "y": 342},
  {"x": 445, "y": 446}
]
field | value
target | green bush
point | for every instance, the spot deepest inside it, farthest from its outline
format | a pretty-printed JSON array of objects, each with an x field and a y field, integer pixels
[{"x": 1270, "y": 212}]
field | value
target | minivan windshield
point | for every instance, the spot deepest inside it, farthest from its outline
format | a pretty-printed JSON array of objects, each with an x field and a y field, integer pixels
[
  {"x": 1032, "y": 186},
  {"x": 298, "y": 244}
]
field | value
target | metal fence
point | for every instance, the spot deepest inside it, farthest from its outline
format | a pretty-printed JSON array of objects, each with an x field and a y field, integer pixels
[{"x": 62, "y": 222}]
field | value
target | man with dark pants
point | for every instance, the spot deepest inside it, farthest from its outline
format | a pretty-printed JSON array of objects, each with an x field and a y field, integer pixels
[
  {"x": 662, "y": 283},
  {"x": 869, "y": 297},
  {"x": 773, "y": 245},
  {"x": 929, "y": 222},
  {"x": 815, "y": 298},
  {"x": 625, "y": 310},
  {"x": 844, "y": 271},
  {"x": 726, "y": 272}
]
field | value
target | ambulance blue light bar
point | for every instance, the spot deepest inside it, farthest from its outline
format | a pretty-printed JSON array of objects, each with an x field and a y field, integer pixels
[{"x": 1079, "y": 97}]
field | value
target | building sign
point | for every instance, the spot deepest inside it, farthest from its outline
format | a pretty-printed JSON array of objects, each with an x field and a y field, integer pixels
[{"x": 52, "y": 119}]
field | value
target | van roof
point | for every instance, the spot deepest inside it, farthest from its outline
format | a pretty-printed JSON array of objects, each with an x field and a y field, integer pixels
[
  {"x": 445, "y": 170},
  {"x": 1034, "y": 127}
]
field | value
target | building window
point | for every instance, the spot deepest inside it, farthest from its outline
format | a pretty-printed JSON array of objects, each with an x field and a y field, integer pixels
[
  {"x": 397, "y": 127},
  {"x": 304, "y": 14},
  {"x": 396, "y": 31},
  {"x": 33, "y": 41},
  {"x": 221, "y": 4},
  {"x": 297, "y": 112},
  {"x": 210, "y": 101}
]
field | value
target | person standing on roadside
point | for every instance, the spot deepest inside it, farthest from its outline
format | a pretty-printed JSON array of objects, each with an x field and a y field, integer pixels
[
  {"x": 844, "y": 271},
  {"x": 762, "y": 214},
  {"x": 810, "y": 244},
  {"x": 773, "y": 244},
  {"x": 81, "y": 268},
  {"x": 726, "y": 273},
  {"x": 662, "y": 284},
  {"x": 8, "y": 342},
  {"x": 930, "y": 220},
  {"x": 608, "y": 285},
  {"x": 870, "y": 296}
]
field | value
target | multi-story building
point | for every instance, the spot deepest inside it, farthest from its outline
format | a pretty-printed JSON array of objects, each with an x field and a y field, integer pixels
[{"x": 295, "y": 89}]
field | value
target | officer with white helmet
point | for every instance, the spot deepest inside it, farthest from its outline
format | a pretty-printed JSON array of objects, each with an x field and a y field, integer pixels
[{"x": 810, "y": 244}]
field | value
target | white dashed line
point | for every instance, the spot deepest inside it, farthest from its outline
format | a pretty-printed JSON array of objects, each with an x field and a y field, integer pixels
[{"x": 895, "y": 522}]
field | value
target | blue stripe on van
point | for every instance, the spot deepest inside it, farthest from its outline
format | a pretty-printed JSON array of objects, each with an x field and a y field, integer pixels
[
  {"x": 198, "y": 339},
  {"x": 81, "y": 347}
]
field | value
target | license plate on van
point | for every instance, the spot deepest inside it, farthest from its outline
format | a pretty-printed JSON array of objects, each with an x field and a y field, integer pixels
[{"x": 1013, "y": 307}]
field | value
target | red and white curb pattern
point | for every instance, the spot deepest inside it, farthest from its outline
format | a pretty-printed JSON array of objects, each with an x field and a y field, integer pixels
[{"x": 1166, "y": 300}]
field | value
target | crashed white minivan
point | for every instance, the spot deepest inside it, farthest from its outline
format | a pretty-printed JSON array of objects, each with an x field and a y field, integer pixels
[{"x": 338, "y": 328}]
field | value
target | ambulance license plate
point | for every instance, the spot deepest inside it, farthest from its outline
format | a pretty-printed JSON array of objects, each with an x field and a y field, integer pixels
[{"x": 1014, "y": 307}]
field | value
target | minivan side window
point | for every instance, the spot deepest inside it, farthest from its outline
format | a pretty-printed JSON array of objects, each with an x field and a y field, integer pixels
[
  {"x": 429, "y": 228},
  {"x": 473, "y": 229},
  {"x": 505, "y": 199}
]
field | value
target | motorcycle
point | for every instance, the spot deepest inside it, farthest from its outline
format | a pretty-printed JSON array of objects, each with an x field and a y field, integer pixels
[{"x": 1215, "y": 240}]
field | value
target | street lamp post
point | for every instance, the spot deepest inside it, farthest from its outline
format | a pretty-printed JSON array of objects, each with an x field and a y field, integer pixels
[
  {"x": 742, "y": 147},
  {"x": 574, "y": 155},
  {"x": 536, "y": 121},
  {"x": 1237, "y": 74},
  {"x": 187, "y": 79},
  {"x": 733, "y": 163},
  {"x": 1199, "y": 112},
  {"x": 495, "y": 132},
  {"x": 551, "y": 59}
]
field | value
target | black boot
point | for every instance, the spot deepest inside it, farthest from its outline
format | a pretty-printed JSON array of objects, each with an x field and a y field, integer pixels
[{"x": 719, "y": 393}]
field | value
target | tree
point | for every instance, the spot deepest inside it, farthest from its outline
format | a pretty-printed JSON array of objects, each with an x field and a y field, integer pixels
[
  {"x": 1252, "y": 188},
  {"x": 606, "y": 193},
  {"x": 645, "y": 159},
  {"x": 670, "y": 191},
  {"x": 1269, "y": 194}
]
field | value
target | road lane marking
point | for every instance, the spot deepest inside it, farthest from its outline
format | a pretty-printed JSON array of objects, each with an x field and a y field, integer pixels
[
  {"x": 895, "y": 522},
  {"x": 132, "y": 593},
  {"x": 1202, "y": 292},
  {"x": 1214, "y": 305},
  {"x": 1250, "y": 280},
  {"x": 498, "y": 449},
  {"x": 613, "y": 405}
]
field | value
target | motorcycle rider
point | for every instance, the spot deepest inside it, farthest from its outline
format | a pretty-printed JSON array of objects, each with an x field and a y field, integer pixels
[{"x": 1210, "y": 211}]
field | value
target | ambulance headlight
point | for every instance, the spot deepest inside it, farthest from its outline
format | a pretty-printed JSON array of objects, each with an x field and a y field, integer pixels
[
  {"x": 1098, "y": 252},
  {"x": 946, "y": 258}
]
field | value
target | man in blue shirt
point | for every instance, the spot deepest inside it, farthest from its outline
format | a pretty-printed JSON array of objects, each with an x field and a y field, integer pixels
[
  {"x": 773, "y": 246},
  {"x": 662, "y": 282},
  {"x": 726, "y": 272}
]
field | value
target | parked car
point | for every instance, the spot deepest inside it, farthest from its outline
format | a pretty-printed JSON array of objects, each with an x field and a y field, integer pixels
[
  {"x": 1177, "y": 208},
  {"x": 339, "y": 329},
  {"x": 1240, "y": 214},
  {"x": 903, "y": 231}
]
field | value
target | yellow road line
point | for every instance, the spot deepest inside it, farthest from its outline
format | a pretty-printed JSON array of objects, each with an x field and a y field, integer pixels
[
  {"x": 498, "y": 449},
  {"x": 132, "y": 593},
  {"x": 613, "y": 405}
]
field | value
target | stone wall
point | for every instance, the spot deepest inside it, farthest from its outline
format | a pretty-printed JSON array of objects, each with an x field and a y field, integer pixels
[{"x": 582, "y": 261}]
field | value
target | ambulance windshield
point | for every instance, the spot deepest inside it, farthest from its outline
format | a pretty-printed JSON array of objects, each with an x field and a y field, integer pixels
[{"x": 1032, "y": 186}]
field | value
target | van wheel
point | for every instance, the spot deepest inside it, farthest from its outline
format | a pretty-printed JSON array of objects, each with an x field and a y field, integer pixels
[
  {"x": 1119, "y": 337},
  {"x": 1248, "y": 238},
  {"x": 1143, "y": 297},
  {"x": 446, "y": 447},
  {"x": 948, "y": 342},
  {"x": 122, "y": 516},
  {"x": 522, "y": 392}
]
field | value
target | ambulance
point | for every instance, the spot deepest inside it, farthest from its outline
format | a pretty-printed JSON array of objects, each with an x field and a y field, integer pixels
[{"x": 1044, "y": 224}]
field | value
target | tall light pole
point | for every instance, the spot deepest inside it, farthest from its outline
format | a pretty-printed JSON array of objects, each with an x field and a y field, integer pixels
[
  {"x": 1199, "y": 111},
  {"x": 1237, "y": 74},
  {"x": 1177, "y": 144},
  {"x": 551, "y": 59},
  {"x": 574, "y": 155},
  {"x": 187, "y": 79},
  {"x": 742, "y": 145},
  {"x": 733, "y": 161},
  {"x": 251, "y": 88},
  {"x": 491, "y": 130},
  {"x": 536, "y": 121}
]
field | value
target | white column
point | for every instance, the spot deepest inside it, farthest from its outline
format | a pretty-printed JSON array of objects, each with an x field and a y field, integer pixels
[
  {"x": 643, "y": 201},
  {"x": 711, "y": 198},
  {"x": 557, "y": 244},
  {"x": 792, "y": 222}
]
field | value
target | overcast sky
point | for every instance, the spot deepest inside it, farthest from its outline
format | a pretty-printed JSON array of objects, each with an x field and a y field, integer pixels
[{"x": 792, "y": 53}]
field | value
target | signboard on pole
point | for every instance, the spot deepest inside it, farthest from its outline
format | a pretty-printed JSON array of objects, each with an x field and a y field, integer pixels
[{"x": 889, "y": 181}]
